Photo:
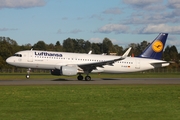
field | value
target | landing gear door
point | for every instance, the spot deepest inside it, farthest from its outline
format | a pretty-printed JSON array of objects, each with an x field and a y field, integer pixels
[{"x": 30, "y": 56}]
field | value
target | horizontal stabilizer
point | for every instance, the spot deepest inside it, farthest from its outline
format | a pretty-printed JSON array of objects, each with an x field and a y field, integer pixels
[{"x": 160, "y": 64}]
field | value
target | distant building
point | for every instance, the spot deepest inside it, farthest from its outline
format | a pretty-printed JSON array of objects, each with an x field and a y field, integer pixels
[{"x": 113, "y": 54}]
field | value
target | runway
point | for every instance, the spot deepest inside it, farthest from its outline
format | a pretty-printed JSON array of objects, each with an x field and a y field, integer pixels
[{"x": 98, "y": 81}]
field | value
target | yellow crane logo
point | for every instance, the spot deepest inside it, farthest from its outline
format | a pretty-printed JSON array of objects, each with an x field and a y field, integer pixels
[{"x": 157, "y": 46}]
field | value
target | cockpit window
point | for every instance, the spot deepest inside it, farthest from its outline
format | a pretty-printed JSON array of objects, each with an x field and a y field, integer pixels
[{"x": 18, "y": 55}]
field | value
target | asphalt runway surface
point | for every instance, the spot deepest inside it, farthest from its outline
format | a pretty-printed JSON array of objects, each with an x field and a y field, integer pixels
[{"x": 114, "y": 81}]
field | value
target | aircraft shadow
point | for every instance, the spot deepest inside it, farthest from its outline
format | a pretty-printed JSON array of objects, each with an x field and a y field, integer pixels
[
  {"x": 110, "y": 78},
  {"x": 61, "y": 79}
]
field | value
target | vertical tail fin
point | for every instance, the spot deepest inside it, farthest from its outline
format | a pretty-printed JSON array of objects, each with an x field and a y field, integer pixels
[{"x": 155, "y": 49}]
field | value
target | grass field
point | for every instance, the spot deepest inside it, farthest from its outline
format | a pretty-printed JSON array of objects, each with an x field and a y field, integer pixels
[
  {"x": 87, "y": 102},
  {"x": 90, "y": 102},
  {"x": 35, "y": 76}
]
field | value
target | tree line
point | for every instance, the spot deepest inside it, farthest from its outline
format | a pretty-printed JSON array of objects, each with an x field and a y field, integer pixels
[{"x": 9, "y": 46}]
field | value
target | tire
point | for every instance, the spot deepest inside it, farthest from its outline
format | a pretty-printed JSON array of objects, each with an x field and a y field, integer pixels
[
  {"x": 80, "y": 77},
  {"x": 87, "y": 78},
  {"x": 27, "y": 76}
]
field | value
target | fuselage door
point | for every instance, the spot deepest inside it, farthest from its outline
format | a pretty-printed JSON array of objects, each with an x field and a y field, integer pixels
[
  {"x": 30, "y": 56},
  {"x": 137, "y": 64}
]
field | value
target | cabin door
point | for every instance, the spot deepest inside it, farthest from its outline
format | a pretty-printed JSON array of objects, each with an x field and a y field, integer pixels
[
  {"x": 30, "y": 56},
  {"x": 137, "y": 66}
]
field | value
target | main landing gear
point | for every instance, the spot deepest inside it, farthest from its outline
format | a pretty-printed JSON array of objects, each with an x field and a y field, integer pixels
[
  {"x": 28, "y": 73},
  {"x": 87, "y": 78}
]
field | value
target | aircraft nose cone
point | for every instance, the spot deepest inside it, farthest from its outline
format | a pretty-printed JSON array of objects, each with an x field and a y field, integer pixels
[{"x": 8, "y": 60}]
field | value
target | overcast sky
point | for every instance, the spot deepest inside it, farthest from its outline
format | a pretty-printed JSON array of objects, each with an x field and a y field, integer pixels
[{"x": 122, "y": 21}]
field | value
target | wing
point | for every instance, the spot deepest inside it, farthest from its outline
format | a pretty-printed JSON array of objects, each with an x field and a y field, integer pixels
[{"x": 92, "y": 66}]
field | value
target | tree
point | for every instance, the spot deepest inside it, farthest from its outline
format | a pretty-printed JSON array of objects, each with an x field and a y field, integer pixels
[
  {"x": 58, "y": 46},
  {"x": 97, "y": 48},
  {"x": 2, "y": 62},
  {"x": 69, "y": 44},
  {"x": 87, "y": 46},
  {"x": 8, "y": 48},
  {"x": 51, "y": 47},
  {"x": 80, "y": 46},
  {"x": 40, "y": 45},
  {"x": 118, "y": 50},
  {"x": 107, "y": 46},
  {"x": 174, "y": 53},
  {"x": 76, "y": 45},
  {"x": 137, "y": 49},
  {"x": 166, "y": 53},
  {"x": 171, "y": 54},
  {"x": 144, "y": 44}
]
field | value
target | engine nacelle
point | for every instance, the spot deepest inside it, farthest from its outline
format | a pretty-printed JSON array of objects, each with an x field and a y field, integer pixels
[
  {"x": 65, "y": 70},
  {"x": 68, "y": 70}
]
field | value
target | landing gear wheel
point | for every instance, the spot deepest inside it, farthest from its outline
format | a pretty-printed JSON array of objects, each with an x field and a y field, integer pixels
[
  {"x": 87, "y": 78},
  {"x": 80, "y": 77},
  {"x": 27, "y": 76}
]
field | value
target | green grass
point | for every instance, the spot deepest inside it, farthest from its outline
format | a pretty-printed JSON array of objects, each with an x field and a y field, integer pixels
[
  {"x": 90, "y": 102},
  {"x": 35, "y": 76}
]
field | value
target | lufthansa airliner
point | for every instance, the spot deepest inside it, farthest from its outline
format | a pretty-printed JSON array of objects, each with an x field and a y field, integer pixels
[{"x": 64, "y": 63}]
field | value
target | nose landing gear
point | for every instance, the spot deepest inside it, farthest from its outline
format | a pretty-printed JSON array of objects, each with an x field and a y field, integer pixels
[{"x": 28, "y": 73}]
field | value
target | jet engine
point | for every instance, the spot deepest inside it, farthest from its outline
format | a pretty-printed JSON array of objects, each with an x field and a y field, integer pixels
[{"x": 65, "y": 70}]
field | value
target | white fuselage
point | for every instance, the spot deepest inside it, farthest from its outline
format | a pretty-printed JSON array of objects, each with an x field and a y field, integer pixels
[{"x": 54, "y": 60}]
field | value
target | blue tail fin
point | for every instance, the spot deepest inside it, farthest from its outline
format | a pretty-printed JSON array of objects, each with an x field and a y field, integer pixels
[{"x": 155, "y": 49}]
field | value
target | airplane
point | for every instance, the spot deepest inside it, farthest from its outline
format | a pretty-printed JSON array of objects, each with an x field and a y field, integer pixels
[{"x": 65, "y": 63}]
